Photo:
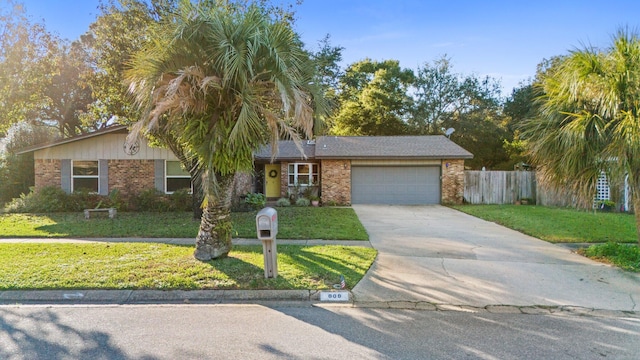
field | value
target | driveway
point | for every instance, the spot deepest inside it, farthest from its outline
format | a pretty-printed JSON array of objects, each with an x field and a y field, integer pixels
[{"x": 442, "y": 256}]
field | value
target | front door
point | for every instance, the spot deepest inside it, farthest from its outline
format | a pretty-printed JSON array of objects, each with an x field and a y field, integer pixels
[{"x": 272, "y": 180}]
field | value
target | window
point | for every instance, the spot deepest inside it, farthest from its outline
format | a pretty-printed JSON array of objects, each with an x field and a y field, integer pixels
[
  {"x": 303, "y": 174},
  {"x": 85, "y": 176},
  {"x": 176, "y": 178}
]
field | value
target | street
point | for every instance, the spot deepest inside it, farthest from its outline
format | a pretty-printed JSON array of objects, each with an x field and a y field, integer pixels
[{"x": 300, "y": 331}]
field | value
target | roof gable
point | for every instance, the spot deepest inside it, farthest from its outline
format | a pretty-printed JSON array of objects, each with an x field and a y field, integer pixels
[{"x": 109, "y": 130}]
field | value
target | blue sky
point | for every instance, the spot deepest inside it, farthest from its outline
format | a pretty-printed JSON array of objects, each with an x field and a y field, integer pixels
[{"x": 502, "y": 39}]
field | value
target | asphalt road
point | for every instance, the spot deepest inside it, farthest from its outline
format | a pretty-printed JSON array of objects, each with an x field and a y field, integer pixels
[{"x": 235, "y": 331}]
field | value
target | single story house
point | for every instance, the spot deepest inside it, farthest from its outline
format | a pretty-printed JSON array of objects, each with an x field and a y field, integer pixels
[
  {"x": 104, "y": 160},
  {"x": 343, "y": 170},
  {"x": 367, "y": 169}
]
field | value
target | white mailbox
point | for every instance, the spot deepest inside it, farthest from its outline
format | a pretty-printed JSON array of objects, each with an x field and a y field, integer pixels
[
  {"x": 267, "y": 229},
  {"x": 267, "y": 223}
]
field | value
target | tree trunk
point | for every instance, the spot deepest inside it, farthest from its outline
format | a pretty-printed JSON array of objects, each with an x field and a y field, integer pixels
[{"x": 214, "y": 237}]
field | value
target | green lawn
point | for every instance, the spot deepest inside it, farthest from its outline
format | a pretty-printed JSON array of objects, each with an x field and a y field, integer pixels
[
  {"x": 29, "y": 266},
  {"x": 328, "y": 223},
  {"x": 559, "y": 224}
]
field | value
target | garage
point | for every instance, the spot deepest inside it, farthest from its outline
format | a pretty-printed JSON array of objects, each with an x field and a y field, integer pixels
[{"x": 395, "y": 185}]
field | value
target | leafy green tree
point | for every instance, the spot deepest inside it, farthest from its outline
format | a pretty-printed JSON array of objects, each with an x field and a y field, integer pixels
[
  {"x": 589, "y": 119},
  {"x": 225, "y": 82},
  {"x": 44, "y": 78},
  {"x": 327, "y": 59},
  {"x": 518, "y": 109},
  {"x": 17, "y": 171},
  {"x": 469, "y": 104},
  {"x": 441, "y": 95},
  {"x": 373, "y": 99},
  {"x": 26, "y": 66}
]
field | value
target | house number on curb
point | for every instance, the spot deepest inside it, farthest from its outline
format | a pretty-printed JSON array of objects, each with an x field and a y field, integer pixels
[{"x": 334, "y": 296}]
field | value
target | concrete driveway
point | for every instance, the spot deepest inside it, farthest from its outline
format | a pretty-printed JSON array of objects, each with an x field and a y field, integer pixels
[{"x": 442, "y": 256}]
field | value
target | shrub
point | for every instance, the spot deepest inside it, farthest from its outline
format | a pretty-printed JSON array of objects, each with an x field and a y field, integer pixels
[
  {"x": 151, "y": 200},
  {"x": 181, "y": 200},
  {"x": 256, "y": 201},
  {"x": 302, "y": 202},
  {"x": 47, "y": 199},
  {"x": 283, "y": 202}
]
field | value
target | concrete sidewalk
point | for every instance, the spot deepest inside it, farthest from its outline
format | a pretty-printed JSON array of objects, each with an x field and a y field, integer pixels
[
  {"x": 183, "y": 241},
  {"x": 437, "y": 255},
  {"x": 430, "y": 258}
]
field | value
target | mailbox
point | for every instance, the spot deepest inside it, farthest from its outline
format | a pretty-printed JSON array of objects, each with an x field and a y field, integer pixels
[
  {"x": 267, "y": 229},
  {"x": 267, "y": 223}
]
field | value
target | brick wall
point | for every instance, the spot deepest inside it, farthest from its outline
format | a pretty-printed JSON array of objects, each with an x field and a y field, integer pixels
[
  {"x": 335, "y": 178},
  {"x": 452, "y": 181},
  {"x": 284, "y": 182},
  {"x": 131, "y": 176},
  {"x": 47, "y": 173}
]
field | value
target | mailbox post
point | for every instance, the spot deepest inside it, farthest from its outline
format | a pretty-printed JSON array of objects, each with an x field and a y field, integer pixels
[{"x": 267, "y": 228}]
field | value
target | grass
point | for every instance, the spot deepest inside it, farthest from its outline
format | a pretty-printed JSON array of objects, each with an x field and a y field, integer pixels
[
  {"x": 328, "y": 223},
  {"x": 163, "y": 266},
  {"x": 558, "y": 225},
  {"x": 615, "y": 232},
  {"x": 307, "y": 223},
  {"x": 624, "y": 256}
]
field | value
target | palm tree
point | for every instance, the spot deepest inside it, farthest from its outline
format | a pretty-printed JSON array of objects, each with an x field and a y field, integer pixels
[
  {"x": 589, "y": 119},
  {"x": 223, "y": 82}
]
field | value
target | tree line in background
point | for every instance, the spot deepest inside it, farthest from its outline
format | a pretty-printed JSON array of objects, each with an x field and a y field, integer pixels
[
  {"x": 576, "y": 118},
  {"x": 67, "y": 88}
]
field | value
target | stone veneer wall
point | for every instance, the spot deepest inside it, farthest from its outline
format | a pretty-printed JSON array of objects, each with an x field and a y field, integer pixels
[
  {"x": 452, "y": 181},
  {"x": 47, "y": 173},
  {"x": 335, "y": 178},
  {"x": 131, "y": 177}
]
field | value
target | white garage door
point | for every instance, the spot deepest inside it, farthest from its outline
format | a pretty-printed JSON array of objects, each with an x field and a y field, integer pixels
[{"x": 395, "y": 185}]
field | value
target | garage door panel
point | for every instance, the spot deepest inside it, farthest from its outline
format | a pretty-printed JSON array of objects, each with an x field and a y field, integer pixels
[{"x": 395, "y": 185}]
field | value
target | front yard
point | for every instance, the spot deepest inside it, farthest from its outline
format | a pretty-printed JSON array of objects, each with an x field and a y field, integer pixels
[
  {"x": 559, "y": 225},
  {"x": 168, "y": 267},
  {"x": 31, "y": 266},
  {"x": 327, "y": 223},
  {"x": 613, "y": 235}
]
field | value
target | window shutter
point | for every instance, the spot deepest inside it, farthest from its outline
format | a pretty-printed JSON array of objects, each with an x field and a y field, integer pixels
[
  {"x": 103, "y": 180},
  {"x": 159, "y": 175},
  {"x": 65, "y": 175}
]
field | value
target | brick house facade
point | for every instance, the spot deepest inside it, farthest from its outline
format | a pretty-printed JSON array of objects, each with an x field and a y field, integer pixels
[
  {"x": 435, "y": 159},
  {"x": 342, "y": 170}
]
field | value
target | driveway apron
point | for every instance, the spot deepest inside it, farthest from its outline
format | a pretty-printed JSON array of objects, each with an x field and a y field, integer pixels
[{"x": 442, "y": 256}]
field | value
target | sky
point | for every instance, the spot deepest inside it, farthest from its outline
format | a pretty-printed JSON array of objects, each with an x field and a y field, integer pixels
[{"x": 501, "y": 39}]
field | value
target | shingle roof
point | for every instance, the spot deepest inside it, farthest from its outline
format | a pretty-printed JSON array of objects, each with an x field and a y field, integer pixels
[
  {"x": 395, "y": 147},
  {"x": 287, "y": 150}
]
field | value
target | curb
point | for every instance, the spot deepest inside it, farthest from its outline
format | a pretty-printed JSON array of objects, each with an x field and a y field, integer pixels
[
  {"x": 150, "y": 296},
  {"x": 298, "y": 297}
]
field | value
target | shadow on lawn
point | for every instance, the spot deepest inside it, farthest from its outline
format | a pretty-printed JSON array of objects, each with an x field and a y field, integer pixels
[{"x": 298, "y": 268}]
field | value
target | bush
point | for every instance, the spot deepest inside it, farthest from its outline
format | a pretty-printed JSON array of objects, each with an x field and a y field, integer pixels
[
  {"x": 181, "y": 200},
  {"x": 151, "y": 200},
  {"x": 53, "y": 199},
  {"x": 256, "y": 201},
  {"x": 302, "y": 202},
  {"x": 283, "y": 202},
  {"x": 47, "y": 199}
]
